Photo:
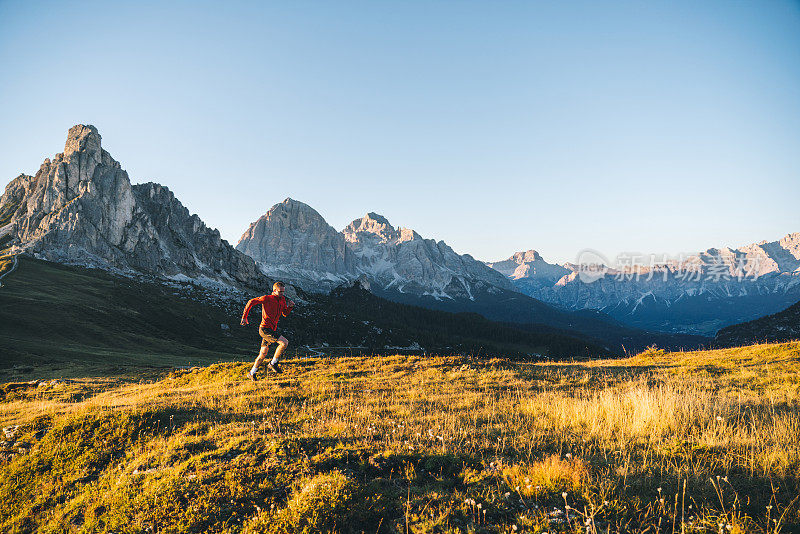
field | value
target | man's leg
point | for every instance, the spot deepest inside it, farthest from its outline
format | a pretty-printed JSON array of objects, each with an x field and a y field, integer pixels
[
  {"x": 262, "y": 355},
  {"x": 273, "y": 365},
  {"x": 282, "y": 344}
]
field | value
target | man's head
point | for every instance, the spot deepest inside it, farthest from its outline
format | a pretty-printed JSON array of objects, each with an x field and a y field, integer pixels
[{"x": 278, "y": 289}]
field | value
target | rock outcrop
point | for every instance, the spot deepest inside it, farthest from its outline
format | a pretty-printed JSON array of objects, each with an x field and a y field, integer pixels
[{"x": 80, "y": 208}]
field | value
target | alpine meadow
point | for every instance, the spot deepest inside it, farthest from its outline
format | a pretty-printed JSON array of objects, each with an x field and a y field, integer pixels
[{"x": 703, "y": 441}]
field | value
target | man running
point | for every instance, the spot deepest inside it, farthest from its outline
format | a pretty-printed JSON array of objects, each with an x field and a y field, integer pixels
[{"x": 273, "y": 307}]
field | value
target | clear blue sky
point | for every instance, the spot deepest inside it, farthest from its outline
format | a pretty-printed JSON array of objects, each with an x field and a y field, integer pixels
[{"x": 661, "y": 126}]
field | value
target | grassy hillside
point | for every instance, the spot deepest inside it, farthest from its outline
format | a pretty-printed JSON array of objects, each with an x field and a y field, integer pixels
[
  {"x": 68, "y": 321},
  {"x": 660, "y": 442},
  {"x": 778, "y": 327}
]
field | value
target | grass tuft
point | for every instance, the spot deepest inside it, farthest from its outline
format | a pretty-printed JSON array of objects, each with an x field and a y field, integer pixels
[
  {"x": 551, "y": 475},
  {"x": 321, "y": 503}
]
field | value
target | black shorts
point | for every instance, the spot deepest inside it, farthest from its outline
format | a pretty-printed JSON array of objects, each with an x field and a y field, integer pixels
[{"x": 268, "y": 336}]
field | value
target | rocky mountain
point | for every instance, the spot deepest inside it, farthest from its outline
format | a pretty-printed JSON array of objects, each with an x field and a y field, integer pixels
[
  {"x": 294, "y": 242},
  {"x": 80, "y": 208},
  {"x": 402, "y": 260},
  {"x": 778, "y": 327},
  {"x": 699, "y": 294}
]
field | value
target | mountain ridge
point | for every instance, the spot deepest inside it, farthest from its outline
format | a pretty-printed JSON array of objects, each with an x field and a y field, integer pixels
[
  {"x": 81, "y": 208},
  {"x": 293, "y": 242}
]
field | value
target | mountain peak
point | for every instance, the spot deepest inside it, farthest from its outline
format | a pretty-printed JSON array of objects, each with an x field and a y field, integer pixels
[
  {"x": 526, "y": 256},
  {"x": 377, "y": 217},
  {"x": 290, "y": 203},
  {"x": 82, "y": 138},
  {"x": 295, "y": 214},
  {"x": 293, "y": 208},
  {"x": 294, "y": 235},
  {"x": 791, "y": 242},
  {"x": 529, "y": 265},
  {"x": 407, "y": 234},
  {"x": 371, "y": 223}
]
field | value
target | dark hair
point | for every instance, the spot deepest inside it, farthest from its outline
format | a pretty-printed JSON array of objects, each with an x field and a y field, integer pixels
[{"x": 278, "y": 284}]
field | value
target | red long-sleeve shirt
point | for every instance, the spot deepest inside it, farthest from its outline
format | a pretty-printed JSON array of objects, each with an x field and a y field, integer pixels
[{"x": 272, "y": 309}]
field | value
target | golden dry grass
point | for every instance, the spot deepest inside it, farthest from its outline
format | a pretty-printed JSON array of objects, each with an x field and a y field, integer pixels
[
  {"x": 554, "y": 474},
  {"x": 659, "y": 441}
]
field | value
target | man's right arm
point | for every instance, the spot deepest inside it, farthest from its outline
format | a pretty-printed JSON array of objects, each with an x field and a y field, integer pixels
[{"x": 250, "y": 304}]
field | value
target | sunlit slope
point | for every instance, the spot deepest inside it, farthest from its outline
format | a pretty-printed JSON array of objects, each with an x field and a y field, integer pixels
[
  {"x": 769, "y": 368},
  {"x": 704, "y": 441}
]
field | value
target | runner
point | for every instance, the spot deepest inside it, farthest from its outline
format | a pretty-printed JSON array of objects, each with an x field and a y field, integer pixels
[{"x": 273, "y": 307}]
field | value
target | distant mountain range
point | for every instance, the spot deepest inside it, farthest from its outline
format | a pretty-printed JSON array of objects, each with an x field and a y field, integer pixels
[
  {"x": 699, "y": 294},
  {"x": 293, "y": 242},
  {"x": 81, "y": 209}
]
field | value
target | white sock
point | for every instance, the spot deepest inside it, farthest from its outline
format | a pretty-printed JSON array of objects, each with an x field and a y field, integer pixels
[
  {"x": 254, "y": 370},
  {"x": 274, "y": 361}
]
